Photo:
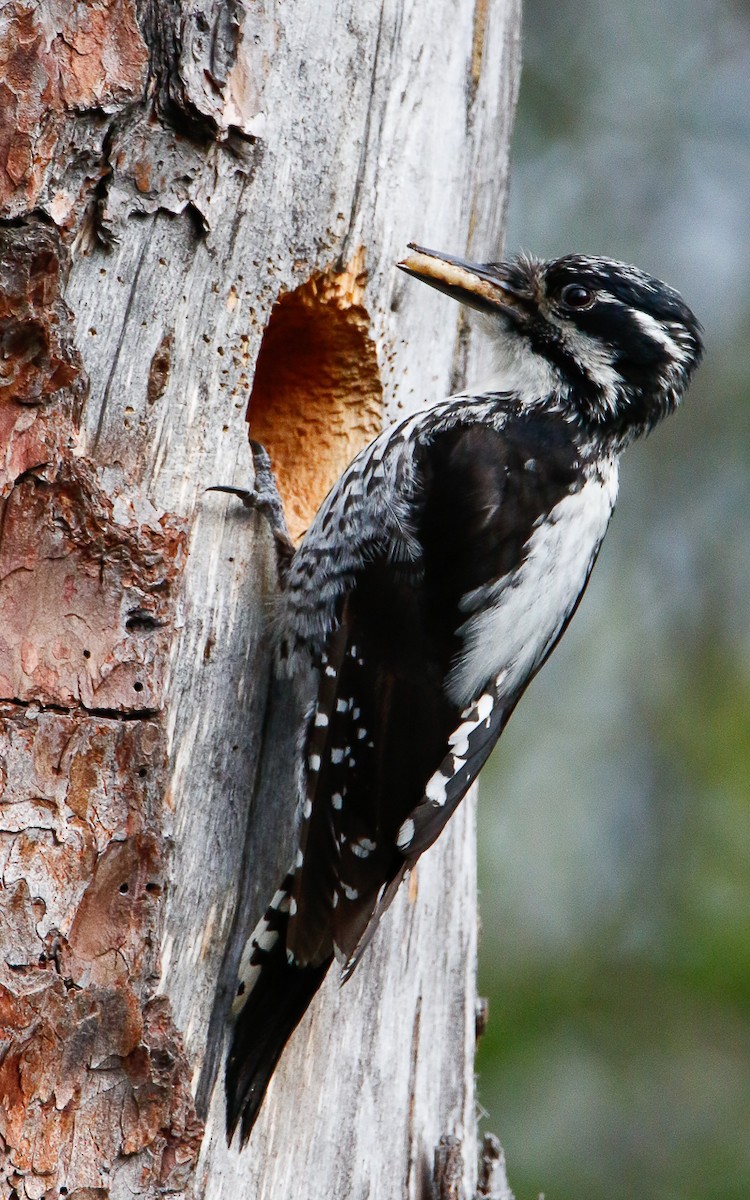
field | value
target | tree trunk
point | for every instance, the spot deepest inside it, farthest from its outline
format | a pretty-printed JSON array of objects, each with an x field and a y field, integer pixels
[{"x": 202, "y": 205}]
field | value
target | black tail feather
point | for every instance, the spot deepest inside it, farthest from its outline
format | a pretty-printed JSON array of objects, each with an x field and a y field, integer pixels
[{"x": 272, "y": 1012}]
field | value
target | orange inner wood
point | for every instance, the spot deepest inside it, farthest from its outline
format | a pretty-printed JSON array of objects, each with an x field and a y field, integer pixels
[{"x": 317, "y": 398}]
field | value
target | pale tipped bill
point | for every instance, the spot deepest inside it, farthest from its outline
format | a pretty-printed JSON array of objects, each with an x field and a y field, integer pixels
[{"x": 487, "y": 287}]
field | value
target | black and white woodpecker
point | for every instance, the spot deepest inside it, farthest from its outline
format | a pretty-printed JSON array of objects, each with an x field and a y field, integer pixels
[{"x": 434, "y": 582}]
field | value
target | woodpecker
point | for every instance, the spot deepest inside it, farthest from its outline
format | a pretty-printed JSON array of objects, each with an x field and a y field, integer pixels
[{"x": 435, "y": 580}]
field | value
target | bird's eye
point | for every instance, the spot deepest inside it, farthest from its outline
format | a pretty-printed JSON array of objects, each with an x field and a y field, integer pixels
[{"x": 575, "y": 295}]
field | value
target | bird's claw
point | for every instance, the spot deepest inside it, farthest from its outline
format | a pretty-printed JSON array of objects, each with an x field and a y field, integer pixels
[{"x": 264, "y": 498}]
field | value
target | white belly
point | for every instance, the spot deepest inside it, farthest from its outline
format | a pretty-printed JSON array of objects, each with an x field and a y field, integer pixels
[{"x": 520, "y": 620}]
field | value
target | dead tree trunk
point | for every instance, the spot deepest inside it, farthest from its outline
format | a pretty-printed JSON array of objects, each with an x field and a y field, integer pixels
[{"x": 201, "y": 204}]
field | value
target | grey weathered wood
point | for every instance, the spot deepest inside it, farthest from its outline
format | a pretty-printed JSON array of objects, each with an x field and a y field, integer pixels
[{"x": 284, "y": 139}]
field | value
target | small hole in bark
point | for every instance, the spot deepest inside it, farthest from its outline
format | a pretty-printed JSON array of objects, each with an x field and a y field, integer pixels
[
  {"x": 154, "y": 889},
  {"x": 317, "y": 398},
  {"x": 142, "y": 772},
  {"x": 158, "y": 375},
  {"x": 241, "y": 990},
  {"x": 124, "y": 888},
  {"x": 21, "y": 343},
  {"x": 139, "y": 620},
  {"x": 87, "y": 654},
  {"x": 137, "y": 686}
]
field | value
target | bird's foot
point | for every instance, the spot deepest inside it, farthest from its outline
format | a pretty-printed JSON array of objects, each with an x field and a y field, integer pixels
[{"x": 264, "y": 498}]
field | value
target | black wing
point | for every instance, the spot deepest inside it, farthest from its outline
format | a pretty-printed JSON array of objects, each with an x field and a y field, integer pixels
[{"x": 389, "y": 755}]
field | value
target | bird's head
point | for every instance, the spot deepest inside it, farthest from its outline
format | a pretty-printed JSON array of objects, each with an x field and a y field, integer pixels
[{"x": 609, "y": 345}]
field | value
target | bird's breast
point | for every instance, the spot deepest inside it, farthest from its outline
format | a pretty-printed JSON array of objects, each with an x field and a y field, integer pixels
[{"x": 514, "y": 624}]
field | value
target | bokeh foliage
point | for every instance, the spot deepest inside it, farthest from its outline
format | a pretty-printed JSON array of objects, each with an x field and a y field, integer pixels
[{"x": 615, "y": 816}]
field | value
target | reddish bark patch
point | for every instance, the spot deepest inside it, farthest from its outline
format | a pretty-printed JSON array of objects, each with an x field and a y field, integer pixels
[
  {"x": 86, "y": 600},
  {"x": 88, "y": 1076},
  {"x": 81, "y": 807},
  {"x": 94, "y": 1084},
  {"x": 92, "y": 1067},
  {"x": 57, "y": 60},
  {"x": 39, "y": 364},
  {"x": 114, "y": 926}
]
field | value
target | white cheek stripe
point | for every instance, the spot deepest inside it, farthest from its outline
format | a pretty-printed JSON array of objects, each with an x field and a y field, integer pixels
[
  {"x": 595, "y": 360},
  {"x": 658, "y": 333}
]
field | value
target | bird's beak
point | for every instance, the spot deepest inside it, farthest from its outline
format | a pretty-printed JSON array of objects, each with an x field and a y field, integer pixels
[{"x": 484, "y": 287}]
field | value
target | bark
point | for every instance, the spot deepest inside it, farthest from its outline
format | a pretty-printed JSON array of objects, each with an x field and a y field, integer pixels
[{"x": 201, "y": 206}]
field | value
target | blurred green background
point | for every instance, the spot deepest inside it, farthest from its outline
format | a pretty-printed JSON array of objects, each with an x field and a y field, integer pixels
[{"x": 615, "y": 816}]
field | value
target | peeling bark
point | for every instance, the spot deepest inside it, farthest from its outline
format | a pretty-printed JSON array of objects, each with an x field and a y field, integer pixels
[
  {"x": 93, "y": 1068},
  {"x": 64, "y": 70},
  {"x": 200, "y": 206},
  {"x": 94, "y": 1082}
]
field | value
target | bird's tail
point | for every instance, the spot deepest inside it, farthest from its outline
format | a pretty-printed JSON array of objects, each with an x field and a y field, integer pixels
[{"x": 271, "y": 999}]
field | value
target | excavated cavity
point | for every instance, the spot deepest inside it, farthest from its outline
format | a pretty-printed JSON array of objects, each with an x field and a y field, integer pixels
[{"x": 317, "y": 398}]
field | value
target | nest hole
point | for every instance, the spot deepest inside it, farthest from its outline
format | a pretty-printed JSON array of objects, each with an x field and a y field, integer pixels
[{"x": 317, "y": 397}]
